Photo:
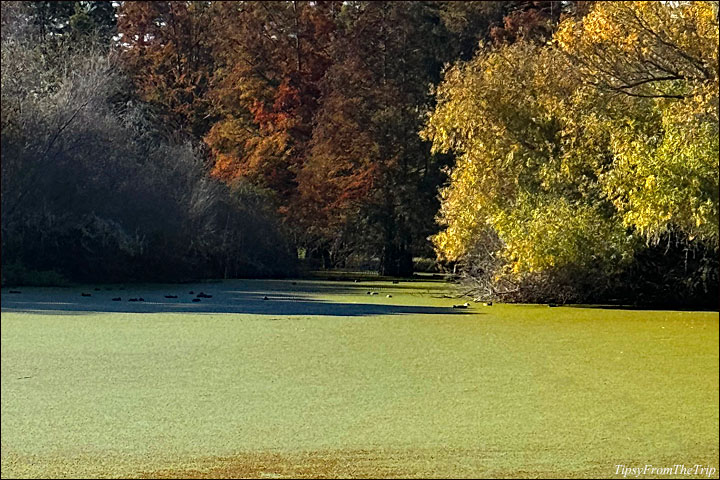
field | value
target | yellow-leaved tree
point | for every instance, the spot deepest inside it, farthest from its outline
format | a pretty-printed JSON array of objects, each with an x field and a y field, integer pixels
[{"x": 576, "y": 154}]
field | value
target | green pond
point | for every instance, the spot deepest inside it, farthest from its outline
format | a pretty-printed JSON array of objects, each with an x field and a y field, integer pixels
[{"x": 322, "y": 379}]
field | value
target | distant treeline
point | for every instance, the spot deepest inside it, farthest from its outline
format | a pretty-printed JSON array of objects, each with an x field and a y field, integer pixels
[{"x": 546, "y": 151}]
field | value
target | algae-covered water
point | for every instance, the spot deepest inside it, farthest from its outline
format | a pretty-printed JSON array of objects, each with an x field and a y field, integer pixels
[{"x": 322, "y": 379}]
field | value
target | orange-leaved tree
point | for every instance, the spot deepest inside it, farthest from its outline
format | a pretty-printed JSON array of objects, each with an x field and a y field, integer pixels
[{"x": 166, "y": 49}]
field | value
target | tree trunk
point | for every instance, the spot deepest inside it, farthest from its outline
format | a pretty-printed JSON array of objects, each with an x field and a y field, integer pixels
[
  {"x": 326, "y": 263},
  {"x": 388, "y": 262},
  {"x": 405, "y": 263},
  {"x": 396, "y": 261}
]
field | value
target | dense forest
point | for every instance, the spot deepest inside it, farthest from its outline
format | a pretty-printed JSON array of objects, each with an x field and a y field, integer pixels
[{"x": 540, "y": 150}]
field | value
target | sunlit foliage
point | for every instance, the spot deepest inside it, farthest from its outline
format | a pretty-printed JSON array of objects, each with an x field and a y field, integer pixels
[{"x": 576, "y": 150}]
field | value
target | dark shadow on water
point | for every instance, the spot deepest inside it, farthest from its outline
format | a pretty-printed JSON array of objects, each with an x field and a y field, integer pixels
[
  {"x": 247, "y": 297},
  {"x": 249, "y": 307}
]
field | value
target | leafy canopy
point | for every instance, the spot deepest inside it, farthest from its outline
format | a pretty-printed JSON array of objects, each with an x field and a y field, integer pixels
[{"x": 574, "y": 150}]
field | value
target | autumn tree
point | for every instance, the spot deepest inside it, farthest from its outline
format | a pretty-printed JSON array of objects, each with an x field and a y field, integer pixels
[
  {"x": 662, "y": 102},
  {"x": 166, "y": 50},
  {"x": 602, "y": 144},
  {"x": 271, "y": 57},
  {"x": 369, "y": 179},
  {"x": 317, "y": 102}
]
